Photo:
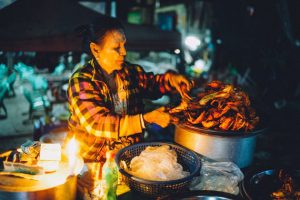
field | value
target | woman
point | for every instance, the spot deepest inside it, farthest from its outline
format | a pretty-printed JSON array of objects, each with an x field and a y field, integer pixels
[{"x": 106, "y": 96}]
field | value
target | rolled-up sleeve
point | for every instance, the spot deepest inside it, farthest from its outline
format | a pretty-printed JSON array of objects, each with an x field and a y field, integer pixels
[{"x": 154, "y": 85}]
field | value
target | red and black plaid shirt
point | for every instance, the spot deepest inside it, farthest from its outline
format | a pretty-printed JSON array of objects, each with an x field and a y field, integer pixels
[{"x": 93, "y": 119}]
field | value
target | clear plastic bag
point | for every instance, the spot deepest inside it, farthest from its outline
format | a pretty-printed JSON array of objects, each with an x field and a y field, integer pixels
[{"x": 218, "y": 176}]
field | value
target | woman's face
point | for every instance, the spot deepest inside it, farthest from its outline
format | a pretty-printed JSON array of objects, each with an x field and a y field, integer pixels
[{"x": 111, "y": 53}]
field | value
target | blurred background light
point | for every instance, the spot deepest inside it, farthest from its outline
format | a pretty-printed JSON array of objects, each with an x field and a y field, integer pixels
[
  {"x": 177, "y": 51},
  {"x": 192, "y": 42}
]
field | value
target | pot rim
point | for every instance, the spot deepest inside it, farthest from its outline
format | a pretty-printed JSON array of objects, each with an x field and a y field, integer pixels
[
  {"x": 203, "y": 193},
  {"x": 223, "y": 133}
]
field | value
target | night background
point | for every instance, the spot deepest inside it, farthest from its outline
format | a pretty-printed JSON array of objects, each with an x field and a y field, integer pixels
[{"x": 252, "y": 44}]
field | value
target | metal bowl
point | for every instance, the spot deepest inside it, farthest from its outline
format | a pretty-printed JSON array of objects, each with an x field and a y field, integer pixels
[
  {"x": 259, "y": 184},
  {"x": 237, "y": 147},
  {"x": 202, "y": 195}
]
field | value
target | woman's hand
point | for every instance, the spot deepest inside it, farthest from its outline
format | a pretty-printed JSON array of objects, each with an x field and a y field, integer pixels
[
  {"x": 181, "y": 84},
  {"x": 89, "y": 180},
  {"x": 86, "y": 182},
  {"x": 158, "y": 116}
]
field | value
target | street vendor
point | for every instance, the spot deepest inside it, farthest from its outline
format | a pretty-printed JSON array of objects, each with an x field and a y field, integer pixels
[{"x": 106, "y": 95}]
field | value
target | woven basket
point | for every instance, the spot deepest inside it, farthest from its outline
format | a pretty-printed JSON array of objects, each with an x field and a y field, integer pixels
[{"x": 188, "y": 159}]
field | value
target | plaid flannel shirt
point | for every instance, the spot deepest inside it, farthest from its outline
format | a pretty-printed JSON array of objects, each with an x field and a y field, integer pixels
[{"x": 93, "y": 119}]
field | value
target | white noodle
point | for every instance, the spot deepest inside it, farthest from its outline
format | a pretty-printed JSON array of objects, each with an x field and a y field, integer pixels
[{"x": 157, "y": 164}]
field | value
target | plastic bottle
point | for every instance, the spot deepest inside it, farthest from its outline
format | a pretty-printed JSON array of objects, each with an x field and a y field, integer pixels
[{"x": 110, "y": 177}]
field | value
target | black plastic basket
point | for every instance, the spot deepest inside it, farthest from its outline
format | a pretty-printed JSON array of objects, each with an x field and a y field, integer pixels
[{"x": 187, "y": 158}]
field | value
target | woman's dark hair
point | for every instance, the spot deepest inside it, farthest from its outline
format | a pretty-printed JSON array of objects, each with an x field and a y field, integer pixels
[{"x": 95, "y": 31}]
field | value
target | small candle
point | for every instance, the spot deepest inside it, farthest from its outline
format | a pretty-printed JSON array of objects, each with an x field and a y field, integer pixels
[{"x": 72, "y": 153}]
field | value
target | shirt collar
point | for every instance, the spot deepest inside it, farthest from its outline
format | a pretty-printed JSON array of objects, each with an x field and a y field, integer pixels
[{"x": 98, "y": 74}]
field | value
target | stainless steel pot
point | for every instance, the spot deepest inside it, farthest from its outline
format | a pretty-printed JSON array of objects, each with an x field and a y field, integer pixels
[
  {"x": 50, "y": 186},
  {"x": 202, "y": 195},
  {"x": 66, "y": 191},
  {"x": 219, "y": 145}
]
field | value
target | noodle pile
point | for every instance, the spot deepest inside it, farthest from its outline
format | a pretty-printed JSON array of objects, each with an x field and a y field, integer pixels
[{"x": 157, "y": 164}]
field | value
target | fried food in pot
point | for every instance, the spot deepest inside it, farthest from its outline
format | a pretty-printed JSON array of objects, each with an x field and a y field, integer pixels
[{"x": 220, "y": 107}]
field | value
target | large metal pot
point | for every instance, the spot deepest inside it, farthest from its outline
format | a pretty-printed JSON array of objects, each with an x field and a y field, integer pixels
[
  {"x": 202, "y": 195},
  {"x": 66, "y": 190},
  {"x": 219, "y": 145},
  {"x": 50, "y": 186}
]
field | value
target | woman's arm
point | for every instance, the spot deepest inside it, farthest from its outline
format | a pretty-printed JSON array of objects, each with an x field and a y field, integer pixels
[
  {"x": 153, "y": 86},
  {"x": 157, "y": 85}
]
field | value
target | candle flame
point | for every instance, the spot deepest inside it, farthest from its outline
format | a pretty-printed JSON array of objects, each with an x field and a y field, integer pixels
[{"x": 72, "y": 151}]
